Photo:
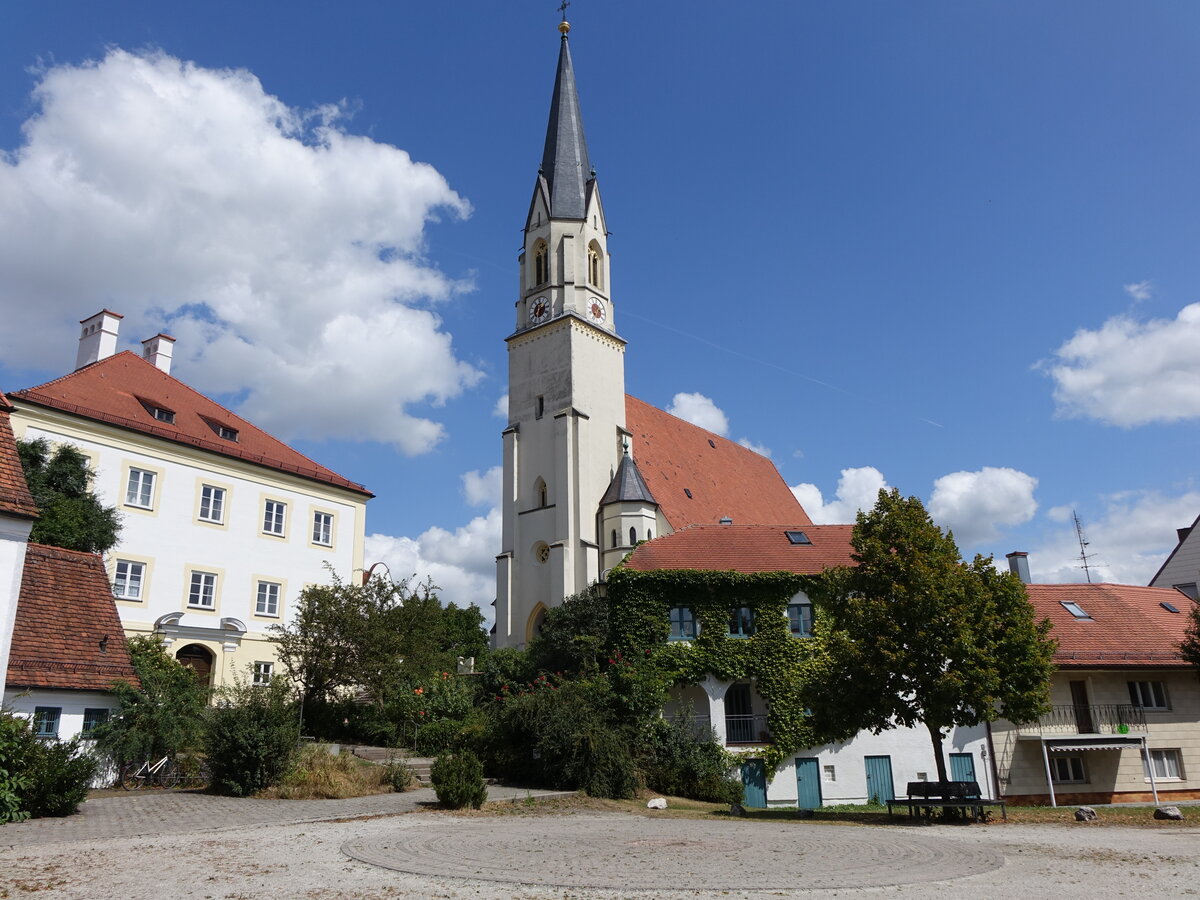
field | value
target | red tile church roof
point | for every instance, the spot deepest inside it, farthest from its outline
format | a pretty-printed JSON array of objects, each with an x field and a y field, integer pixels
[
  {"x": 699, "y": 477},
  {"x": 118, "y": 389},
  {"x": 67, "y": 633},
  {"x": 15, "y": 499},
  {"x": 1128, "y": 626},
  {"x": 746, "y": 548}
]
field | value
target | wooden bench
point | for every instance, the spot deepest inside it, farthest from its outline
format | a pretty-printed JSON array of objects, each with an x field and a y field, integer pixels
[{"x": 926, "y": 796}]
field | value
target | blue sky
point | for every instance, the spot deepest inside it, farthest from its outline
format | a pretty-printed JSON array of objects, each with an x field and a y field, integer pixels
[{"x": 947, "y": 247}]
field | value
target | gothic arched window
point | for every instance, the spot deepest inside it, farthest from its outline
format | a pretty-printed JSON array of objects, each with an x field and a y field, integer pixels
[
  {"x": 632, "y": 536},
  {"x": 540, "y": 494},
  {"x": 541, "y": 263},
  {"x": 614, "y": 538},
  {"x": 595, "y": 265}
]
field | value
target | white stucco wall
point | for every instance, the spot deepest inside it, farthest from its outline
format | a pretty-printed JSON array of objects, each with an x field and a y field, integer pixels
[{"x": 14, "y": 534}]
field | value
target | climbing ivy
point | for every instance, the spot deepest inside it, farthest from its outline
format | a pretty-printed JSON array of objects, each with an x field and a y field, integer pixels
[{"x": 784, "y": 668}]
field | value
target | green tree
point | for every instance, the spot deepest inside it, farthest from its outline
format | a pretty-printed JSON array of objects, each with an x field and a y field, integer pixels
[
  {"x": 913, "y": 635},
  {"x": 72, "y": 516},
  {"x": 160, "y": 718},
  {"x": 251, "y": 737},
  {"x": 1190, "y": 648},
  {"x": 574, "y": 636}
]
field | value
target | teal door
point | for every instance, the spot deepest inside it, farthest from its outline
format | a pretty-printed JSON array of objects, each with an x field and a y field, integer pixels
[
  {"x": 808, "y": 784},
  {"x": 879, "y": 779},
  {"x": 754, "y": 781},
  {"x": 962, "y": 767}
]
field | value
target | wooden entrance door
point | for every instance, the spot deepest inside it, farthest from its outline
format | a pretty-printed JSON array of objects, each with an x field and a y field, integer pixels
[
  {"x": 199, "y": 660},
  {"x": 1083, "y": 712}
]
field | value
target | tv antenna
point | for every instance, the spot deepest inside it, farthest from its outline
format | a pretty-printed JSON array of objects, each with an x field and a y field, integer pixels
[{"x": 1084, "y": 556}]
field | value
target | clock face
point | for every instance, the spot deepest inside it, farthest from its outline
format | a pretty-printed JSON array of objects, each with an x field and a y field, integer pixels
[
  {"x": 596, "y": 311},
  {"x": 539, "y": 311}
]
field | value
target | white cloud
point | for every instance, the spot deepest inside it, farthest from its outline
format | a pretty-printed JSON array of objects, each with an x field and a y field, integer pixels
[
  {"x": 462, "y": 563},
  {"x": 1060, "y": 513},
  {"x": 286, "y": 254},
  {"x": 976, "y": 505},
  {"x": 757, "y": 448},
  {"x": 1128, "y": 542},
  {"x": 699, "y": 410},
  {"x": 857, "y": 489},
  {"x": 1130, "y": 372},
  {"x": 1140, "y": 291},
  {"x": 485, "y": 489},
  {"x": 500, "y": 411}
]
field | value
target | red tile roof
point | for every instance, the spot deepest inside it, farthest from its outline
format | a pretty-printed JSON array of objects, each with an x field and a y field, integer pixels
[
  {"x": 1127, "y": 627},
  {"x": 15, "y": 499},
  {"x": 725, "y": 479},
  {"x": 67, "y": 633},
  {"x": 746, "y": 548},
  {"x": 118, "y": 389}
]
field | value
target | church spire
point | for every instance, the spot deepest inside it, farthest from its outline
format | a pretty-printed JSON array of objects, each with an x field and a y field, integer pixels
[{"x": 565, "y": 163}]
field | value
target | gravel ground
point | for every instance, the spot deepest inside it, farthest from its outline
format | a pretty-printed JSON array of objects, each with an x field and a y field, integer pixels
[{"x": 606, "y": 855}]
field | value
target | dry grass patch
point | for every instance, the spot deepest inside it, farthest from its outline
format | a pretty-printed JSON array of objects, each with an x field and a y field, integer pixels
[{"x": 319, "y": 775}]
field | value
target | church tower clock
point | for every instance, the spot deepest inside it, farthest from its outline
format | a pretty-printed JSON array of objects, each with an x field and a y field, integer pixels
[{"x": 566, "y": 382}]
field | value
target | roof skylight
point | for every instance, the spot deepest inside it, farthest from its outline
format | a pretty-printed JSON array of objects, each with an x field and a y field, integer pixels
[
  {"x": 1074, "y": 609},
  {"x": 797, "y": 537},
  {"x": 1169, "y": 607}
]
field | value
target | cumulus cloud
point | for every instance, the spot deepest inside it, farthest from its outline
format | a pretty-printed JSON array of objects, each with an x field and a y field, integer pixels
[
  {"x": 285, "y": 253},
  {"x": 857, "y": 489},
  {"x": 757, "y": 448},
  {"x": 500, "y": 410},
  {"x": 1127, "y": 542},
  {"x": 699, "y": 410},
  {"x": 1130, "y": 372},
  {"x": 483, "y": 489},
  {"x": 976, "y": 505},
  {"x": 1140, "y": 291},
  {"x": 462, "y": 563}
]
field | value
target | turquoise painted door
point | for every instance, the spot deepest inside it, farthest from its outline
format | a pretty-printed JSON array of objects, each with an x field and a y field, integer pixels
[
  {"x": 879, "y": 779},
  {"x": 808, "y": 784},
  {"x": 754, "y": 781},
  {"x": 962, "y": 767}
]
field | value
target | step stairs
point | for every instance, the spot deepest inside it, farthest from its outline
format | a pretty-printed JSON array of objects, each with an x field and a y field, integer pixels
[{"x": 420, "y": 765}]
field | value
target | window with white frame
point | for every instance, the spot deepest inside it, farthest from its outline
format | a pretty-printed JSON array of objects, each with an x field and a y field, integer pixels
[
  {"x": 203, "y": 590},
  {"x": 1165, "y": 762},
  {"x": 1148, "y": 694},
  {"x": 139, "y": 491},
  {"x": 268, "y": 599},
  {"x": 262, "y": 673},
  {"x": 1067, "y": 769},
  {"x": 128, "y": 578},
  {"x": 323, "y": 529},
  {"x": 274, "y": 514},
  {"x": 212, "y": 504}
]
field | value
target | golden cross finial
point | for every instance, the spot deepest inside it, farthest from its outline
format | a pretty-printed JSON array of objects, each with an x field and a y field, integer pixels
[{"x": 564, "y": 26}]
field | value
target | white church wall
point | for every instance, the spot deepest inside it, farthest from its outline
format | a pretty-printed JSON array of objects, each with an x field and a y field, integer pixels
[{"x": 14, "y": 535}]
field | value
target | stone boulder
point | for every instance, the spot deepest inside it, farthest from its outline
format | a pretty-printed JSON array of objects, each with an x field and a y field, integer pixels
[
  {"x": 657, "y": 803},
  {"x": 1169, "y": 812},
  {"x": 1085, "y": 814},
  {"x": 736, "y": 809}
]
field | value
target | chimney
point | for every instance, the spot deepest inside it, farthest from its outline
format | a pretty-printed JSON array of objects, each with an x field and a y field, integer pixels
[
  {"x": 158, "y": 351},
  {"x": 1018, "y": 564},
  {"x": 98, "y": 340},
  {"x": 1182, "y": 533}
]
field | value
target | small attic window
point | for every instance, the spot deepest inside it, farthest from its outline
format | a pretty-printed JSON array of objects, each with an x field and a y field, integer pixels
[
  {"x": 797, "y": 537},
  {"x": 163, "y": 415},
  {"x": 688, "y": 491},
  {"x": 1074, "y": 609},
  {"x": 229, "y": 434},
  {"x": 1169, "y": 607}
]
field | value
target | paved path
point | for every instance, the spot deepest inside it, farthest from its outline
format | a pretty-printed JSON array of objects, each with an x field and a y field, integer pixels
[{"x": 182, "y": 812}]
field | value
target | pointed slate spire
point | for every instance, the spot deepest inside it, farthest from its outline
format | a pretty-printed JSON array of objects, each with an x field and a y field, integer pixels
[
  {"x": 627, "y": 485},
  {"x": 565, "y": 164}
]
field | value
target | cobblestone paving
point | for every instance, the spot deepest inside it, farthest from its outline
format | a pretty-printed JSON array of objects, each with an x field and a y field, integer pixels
[
  {"x": 610, "y": 851},
  {"x": 181, "y": 812}
]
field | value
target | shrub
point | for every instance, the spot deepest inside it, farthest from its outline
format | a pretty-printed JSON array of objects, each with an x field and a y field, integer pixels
[
  {"x": 317, "y": 774},
  {"x": 437, "y": 737},
  {"x": 251, "y": 737},
  {"x": 37, "y": 777},
  {"x": 458, "y": 780},
  {"x": 682, "y": 763},
  {"x": 399, "y": 775}
]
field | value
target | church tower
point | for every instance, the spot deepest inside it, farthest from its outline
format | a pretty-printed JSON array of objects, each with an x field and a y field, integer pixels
[{"x": 566, "y": 383}]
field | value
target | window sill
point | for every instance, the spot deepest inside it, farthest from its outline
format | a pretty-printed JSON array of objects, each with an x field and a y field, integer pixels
[
  {"x": 198, "y": 607},
  {"x": 1165, "y": 780},
  {"x": 273, "y": 534},
  {"x": 261, "y": 615},
  {"x": 139, "y": 506}
]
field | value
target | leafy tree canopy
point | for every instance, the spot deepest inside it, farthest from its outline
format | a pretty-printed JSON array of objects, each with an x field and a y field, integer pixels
[
  {"x": 912, "y": 634},
  {"x": 72, "y": 516}
]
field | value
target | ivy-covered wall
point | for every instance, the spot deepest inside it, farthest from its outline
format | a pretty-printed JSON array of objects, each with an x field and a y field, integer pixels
[{"x": 784, "y": 668}]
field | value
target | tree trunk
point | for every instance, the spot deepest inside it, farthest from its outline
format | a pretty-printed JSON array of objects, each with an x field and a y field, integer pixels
[{"x": 935, "y": 736}]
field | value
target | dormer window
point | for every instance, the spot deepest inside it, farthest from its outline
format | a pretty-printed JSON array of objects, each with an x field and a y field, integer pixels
[
  {"x": 163, "y": 415},
  {"x": 541, "y": 263},
  {"x": 224, "y": 432}
]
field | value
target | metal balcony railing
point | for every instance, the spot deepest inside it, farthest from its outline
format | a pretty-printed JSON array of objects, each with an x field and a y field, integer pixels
[
  {"x": 747, "y": 730},
  {"x": 1109, "y": 718},
  {"x": 700, "y": 724}
]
